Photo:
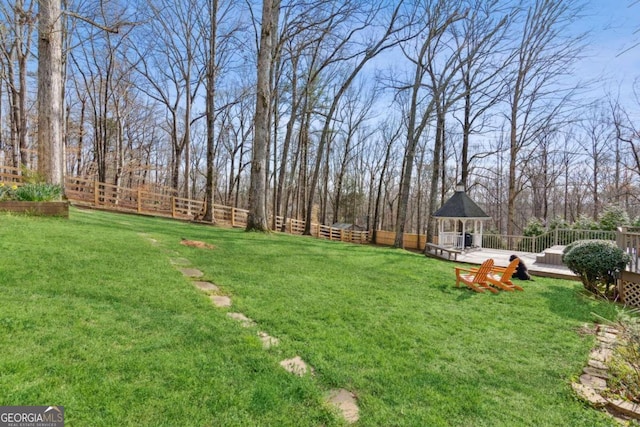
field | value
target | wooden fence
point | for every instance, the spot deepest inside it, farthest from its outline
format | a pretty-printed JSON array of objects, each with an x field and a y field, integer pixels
[
  {"x": 87, "y": 192},
  {"x": 10, "y": 174},
  {"x": 142, "y": 200},
  {"x": 410, "y": 241}
]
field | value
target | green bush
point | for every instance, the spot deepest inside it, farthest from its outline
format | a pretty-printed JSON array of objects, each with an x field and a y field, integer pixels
[
  {"x": 585, "y": 222},
  {"x": 597, "y": 263},
  {"x": 534, "y": 228},
  {"x": 613, "y": 217},
  {"x": 558, "y": 223}
]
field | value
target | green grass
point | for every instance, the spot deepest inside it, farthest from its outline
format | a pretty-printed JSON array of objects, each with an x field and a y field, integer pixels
[{"x": 94, "y": 317}]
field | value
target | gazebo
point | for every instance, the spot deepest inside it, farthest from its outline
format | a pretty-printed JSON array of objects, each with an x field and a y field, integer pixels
[{"x": 460, "y": 221}]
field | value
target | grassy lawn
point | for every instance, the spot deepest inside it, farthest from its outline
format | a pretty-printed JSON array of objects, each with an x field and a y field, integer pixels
[{"x": 94, "y": 317}]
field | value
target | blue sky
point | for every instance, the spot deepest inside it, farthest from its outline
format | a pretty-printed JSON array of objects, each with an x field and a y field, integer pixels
[{"x": 615, "y": 27}]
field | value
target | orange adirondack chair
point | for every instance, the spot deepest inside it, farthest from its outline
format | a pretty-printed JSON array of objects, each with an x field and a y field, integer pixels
[
  {"x": 476, "y": 279},
  {"x": 501, "y": 276}
]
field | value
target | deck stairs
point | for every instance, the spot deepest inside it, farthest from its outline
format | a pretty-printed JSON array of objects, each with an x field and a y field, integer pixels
[{"x": 551, "y": 256}]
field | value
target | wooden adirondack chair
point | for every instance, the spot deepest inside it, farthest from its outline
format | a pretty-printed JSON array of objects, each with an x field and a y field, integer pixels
[
  {"x": 476, "y": 279},
  {"x": 501, "y": 276}
]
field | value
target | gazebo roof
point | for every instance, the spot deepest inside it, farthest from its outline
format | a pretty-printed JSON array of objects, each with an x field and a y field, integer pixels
[{"x": 460, "y": 206}]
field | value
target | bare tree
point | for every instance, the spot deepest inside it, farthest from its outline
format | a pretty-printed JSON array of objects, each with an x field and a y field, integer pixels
[
  {"x": 172, "y": 60},
  {"x": 439, "y": 15},
  {"x": 597, "y": 145},
  {"x": 537, "y": 96},
  {"x": 482, "y": 57},
  {"x": 50, "y": 142},
  {"x": 211, "y": 107},
  {"x": 392, "y": 33},
  {"x": 16, "y": 50},
  {"x": 353, "y": 115},
  {"x": 257, "y": 217}
]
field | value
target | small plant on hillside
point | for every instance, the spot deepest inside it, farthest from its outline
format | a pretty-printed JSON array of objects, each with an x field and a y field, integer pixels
[
  {"x": 624, "y": 366},
  {"x": 597, "y": 263}
]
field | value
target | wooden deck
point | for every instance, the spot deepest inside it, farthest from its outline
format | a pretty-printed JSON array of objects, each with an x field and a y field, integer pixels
[{"x": 501, "y": 259}]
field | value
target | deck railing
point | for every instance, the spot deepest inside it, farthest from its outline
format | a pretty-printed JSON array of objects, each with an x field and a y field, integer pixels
[
  {"x": 536, "y": 244},
  {"x": 628, "y": 239}
]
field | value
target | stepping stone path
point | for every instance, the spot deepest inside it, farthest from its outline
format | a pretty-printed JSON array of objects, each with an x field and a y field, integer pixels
[
  {"x": 594, "y": 379},
  {"x": 346, "y": 403},
  {"x": 267, "y": 340},
  {"x": 206, "y": 286},
  {"x": 221, "y": 301},
  {"x": 244, "y": 320},
  {"x": 343, "y": 400},
  {"x": 296, "y": 366},
  {"x": 191, "y": 272}
]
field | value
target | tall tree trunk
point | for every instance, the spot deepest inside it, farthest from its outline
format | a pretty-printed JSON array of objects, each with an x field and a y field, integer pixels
[
  {"x": 211, "y": 88},
  {"x": 257, "y": 217},
  {"x": 50, "y": 144},
  {"x": 435, "y": 174}
]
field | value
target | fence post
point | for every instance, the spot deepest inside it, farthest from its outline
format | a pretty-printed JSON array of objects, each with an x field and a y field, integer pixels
[
  {"x": 173, "y": 206},
  {"x": 233, "y": 217},
  {"x": 96, "y": 190},
  {"x": 139, "y": 200}
]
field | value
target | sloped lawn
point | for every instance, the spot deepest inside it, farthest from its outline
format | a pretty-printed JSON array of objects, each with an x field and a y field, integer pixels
[{"x": 94, "y": 317}]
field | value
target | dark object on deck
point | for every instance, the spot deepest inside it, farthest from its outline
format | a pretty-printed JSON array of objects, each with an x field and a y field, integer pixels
[
  {"x": 468, "y": 240},
  {"x": 521, "y": 270}
]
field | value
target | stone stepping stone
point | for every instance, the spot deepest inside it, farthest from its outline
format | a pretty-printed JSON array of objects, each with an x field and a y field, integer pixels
[
  {"x": 628, "y": 408},
  {"x": 244, "y": 320},
  {"x": 179, "y": 261},
  {"x": 149, "y": 239},
  {"x": 595, "y": 383},
  {"x": 221, "y": 301},
  {"x": 267, "y": 340},
  {"x": 191, "y": 272},
  {"x": 597, "y": 364},
  {"x": 346, "y": 403},
  {"x": 295, "y": 366},
  {"x": 589, "y": 394},
  {"x": 206, "y": 286},
  {"x": 595, "y": 372},
  {"x": 601, "y": 354}
]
